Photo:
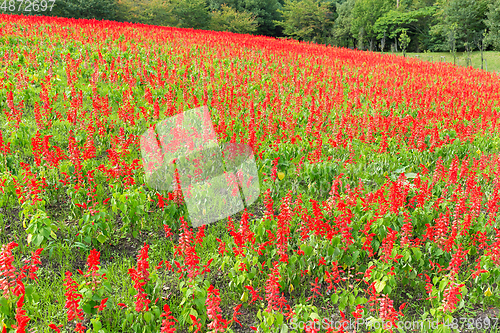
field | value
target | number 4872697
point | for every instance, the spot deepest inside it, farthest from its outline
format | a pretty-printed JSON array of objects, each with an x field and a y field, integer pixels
[{"x": 27, "y": 5}]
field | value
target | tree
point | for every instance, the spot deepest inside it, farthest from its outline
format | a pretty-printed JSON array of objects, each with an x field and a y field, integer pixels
[
  {"x": 190, "y": 13},
  {"x": 156, "y": 12},
  {"x": 342, "y": 25},
  {"x": 266, "y": 14},
  {"x": 132, "y": 10},
  {"x": 364, "y": 15},
  {"x": 308, "y": 20},
  {"x": 415, "y": 22},
  {"x": 493, "y": 23},
  {"x": 228, "y": 19},
  {"x": 360, "y": 39},
  {"x": 214, "y": 5},
  {"x": 468, "y": 16},
  {"x": 382, "y": 43},
  {"x": 404, "y": 41},
  {"x": 481, "y": 40},
  {"x": 93, "y": 9},
  {"x": 452, "y": 41}
]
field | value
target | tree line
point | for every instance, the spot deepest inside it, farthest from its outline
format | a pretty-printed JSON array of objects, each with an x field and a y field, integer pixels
[{"x": 376, "y": 25}]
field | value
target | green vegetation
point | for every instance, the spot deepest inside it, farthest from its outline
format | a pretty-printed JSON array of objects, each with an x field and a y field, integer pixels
[{"x": 491, "y": 63}]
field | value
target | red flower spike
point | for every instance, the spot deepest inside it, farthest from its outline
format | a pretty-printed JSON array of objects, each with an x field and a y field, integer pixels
[
  {"x": 56, "y": 328},
  {"x": 167, "y": 325}
]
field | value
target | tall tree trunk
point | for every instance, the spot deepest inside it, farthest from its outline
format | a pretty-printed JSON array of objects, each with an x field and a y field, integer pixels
[{"x": 482, "y": 58}]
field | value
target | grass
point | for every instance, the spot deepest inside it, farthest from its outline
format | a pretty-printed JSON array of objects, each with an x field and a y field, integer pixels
[{"x": 492, "y": 59}]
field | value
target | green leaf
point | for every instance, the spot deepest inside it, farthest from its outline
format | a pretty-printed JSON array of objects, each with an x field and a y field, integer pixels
[
  {"x": 443, "y": 285},
  {"x": 38, "y": 240},
  {"x": 244, "y": 297},
  {"x": 96, "y": 325},
  {"x": 308, "y": 250},
  {"x": 101, "y": 238},
  {"x": 417, "y": 253},
  {"x": 28, "y": 290},
  {"x": 336, "y": 253},
  {"x": 314, "y": 315},
  {"x": 279, "y": 319},
  {"x": 270, "y": 320},
  {"x": 148, "y": 316},
  {"x": 406, "y": 255},
  {"x": 361, "y": 300},
  {"x": 46, "y": 232},
  {"x": 343, "y": 302},
  {"x": 87, "y": 308},
  {"x": 379, "y": 285},
  {"x": 4, "y": 306}
]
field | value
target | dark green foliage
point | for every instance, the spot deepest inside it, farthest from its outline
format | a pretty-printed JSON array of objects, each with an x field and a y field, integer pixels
[
  {"x": 468, "y": 19},
  {"x": 190, "y": 13},
  {"x": 415, "y": 22},
  {"x": 229, "y": 19},
  {"x": 493, "y": 24},
  {"x": 342, "y": 25},
  {"x": 364, "y": 15},
  {"x": 308, "y": 20},
  {"x": 266, "y": 13},
  {"x": 88, "y": 9}
]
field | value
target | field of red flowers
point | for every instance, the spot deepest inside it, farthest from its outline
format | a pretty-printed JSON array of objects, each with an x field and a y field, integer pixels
[{"x": 379, "y": 180}]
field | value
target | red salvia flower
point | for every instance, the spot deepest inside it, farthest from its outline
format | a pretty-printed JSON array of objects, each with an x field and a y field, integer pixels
[
  {"x": 450, "y": 299},
  {"x": 235, "y": 313},
  {"x": 196, "y": 323},
  {"x": 315, "y": 290},
  {"x": 102, "y": 305},
  {"x": 56, "y": 328},
  {"x": 283, "y": 233},
  {"x": 73, "y": 298},
  {"x": 167, "y": 325},
  {"x": 387, "y": 246},
  {"x": 206, "y": 269},
  {"x": 222, "y": 247},
  {"x": 456, "y": 261},
  {"x": 200, "y": 234},
  {"x": 80, "y": 328},
  {"x": 272, "y": 288},
  {"x": 32, "y": 265},
  {"x": 212, "y": 304},
  {"x": 255, "y": 294},
  {"x": 21, "y": 318},
  {"x": 140, "y": 276},
  {"x": 7, "y": 270},
  {"x": 168, "y": 231}
]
